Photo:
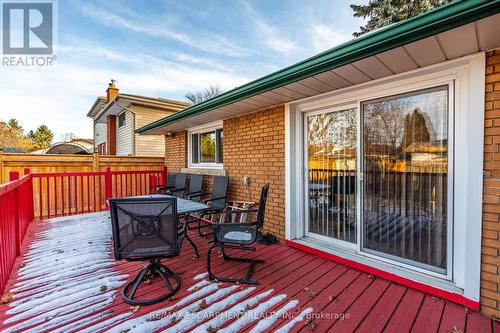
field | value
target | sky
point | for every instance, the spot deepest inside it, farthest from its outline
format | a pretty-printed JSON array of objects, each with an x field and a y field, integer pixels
[{"x": 165, "y": 48}]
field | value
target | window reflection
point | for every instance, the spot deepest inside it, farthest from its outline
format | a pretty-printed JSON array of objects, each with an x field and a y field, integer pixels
[
  {"x": 332, "y": 174},
  {"x": 405, "y": 188},
  {"x": 207, "y": 147}
]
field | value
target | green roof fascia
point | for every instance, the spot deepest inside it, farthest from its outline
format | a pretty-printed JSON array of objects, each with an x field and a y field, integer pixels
[{"x": 447, "y": 17}]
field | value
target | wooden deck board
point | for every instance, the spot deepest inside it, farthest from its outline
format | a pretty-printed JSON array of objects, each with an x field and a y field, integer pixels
[{"x": 373, "y": 305}]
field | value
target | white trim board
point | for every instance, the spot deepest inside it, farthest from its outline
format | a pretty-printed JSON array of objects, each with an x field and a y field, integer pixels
[{"x": 468, "y": 75}]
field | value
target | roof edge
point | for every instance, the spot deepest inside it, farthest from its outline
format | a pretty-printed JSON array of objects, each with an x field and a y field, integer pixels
[{"x": 438, "y": 20}]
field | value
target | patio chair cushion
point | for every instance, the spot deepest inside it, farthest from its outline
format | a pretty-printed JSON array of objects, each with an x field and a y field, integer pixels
[{"x": 236, "y": 234}]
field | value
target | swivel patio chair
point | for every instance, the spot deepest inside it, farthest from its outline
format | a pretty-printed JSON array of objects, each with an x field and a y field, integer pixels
[
  {"x": 217, "y": 203},
  {"x": 239, "y": 236},
  {"x": 147, "y": 229}
]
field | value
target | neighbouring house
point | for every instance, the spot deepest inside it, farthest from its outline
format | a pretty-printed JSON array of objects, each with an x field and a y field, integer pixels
[
  {"x": 116, "y": 117},
  {"x": 73, "y": 147},
  {"x": 417, "y": 105}
]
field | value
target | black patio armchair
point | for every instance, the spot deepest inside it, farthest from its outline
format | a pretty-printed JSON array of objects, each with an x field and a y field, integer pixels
[
  {"x": 195, "y": 187},
  {"x": 147, "y": 229},
  {"x": 239, "y": 236},
  {"x": 162, "y": 188},
  {"x": 176, "y": 185},
  {"x": 217, "y": 203}
]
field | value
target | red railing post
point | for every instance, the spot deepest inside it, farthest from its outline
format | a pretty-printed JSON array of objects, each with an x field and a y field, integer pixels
[
  {"x": 13, "y": 176},
  {"x": 108, "y": 189},
  {"x": 31, "y": 204},
  {"x": 164, "y": 174}
]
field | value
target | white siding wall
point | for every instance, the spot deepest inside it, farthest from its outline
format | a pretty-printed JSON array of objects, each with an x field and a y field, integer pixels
[
  {"x": 99, "y": 133},
  {"x": 149, "y": 145},
  {"x": 125, "y": 136}
]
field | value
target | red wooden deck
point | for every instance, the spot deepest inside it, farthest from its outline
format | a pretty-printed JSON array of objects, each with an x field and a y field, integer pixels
[{"x": 66, "y": 281}]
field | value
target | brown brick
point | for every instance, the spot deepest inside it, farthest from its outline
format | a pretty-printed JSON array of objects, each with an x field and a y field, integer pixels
[{"x": 490, "y": 284}]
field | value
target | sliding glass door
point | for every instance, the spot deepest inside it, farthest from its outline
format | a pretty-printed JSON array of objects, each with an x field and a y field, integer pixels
[
  {"x": 398, "y": 158},
  {"x": 331, "y": 164},
  {"x": 405, "y": 162}
]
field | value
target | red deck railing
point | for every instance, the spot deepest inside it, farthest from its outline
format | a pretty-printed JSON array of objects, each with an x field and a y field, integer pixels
[
  {"x": 45, "y": 195},
  {"x": 69, "y": 193},
  {"x": 16, "y": 208}
]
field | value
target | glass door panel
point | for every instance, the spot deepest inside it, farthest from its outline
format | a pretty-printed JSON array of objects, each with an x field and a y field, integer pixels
[
  {"x": 405, "y": 165},
  {"x": 331, "y": 163}
]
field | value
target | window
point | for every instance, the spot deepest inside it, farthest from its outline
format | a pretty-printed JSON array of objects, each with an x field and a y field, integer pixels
[
  {"x": 121, "y": 119},
  {"x": 205, "y": 146}
]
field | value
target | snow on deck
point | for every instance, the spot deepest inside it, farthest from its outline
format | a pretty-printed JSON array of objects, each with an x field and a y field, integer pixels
[{"x": 68, "y": 281}]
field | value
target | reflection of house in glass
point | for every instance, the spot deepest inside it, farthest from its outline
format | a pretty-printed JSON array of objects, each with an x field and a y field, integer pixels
[{"x": 427, "y": 157}]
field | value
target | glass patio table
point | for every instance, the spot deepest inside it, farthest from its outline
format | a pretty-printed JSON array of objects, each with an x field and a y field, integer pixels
[{"x": 184, "y": 206}]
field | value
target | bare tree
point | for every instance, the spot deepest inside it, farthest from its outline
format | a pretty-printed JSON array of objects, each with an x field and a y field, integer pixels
[
  {"x": 66, "y": 137},
  {"x": 201, "y": 96}
]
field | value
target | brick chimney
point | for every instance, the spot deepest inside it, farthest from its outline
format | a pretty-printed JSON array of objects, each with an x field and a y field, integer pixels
[{"x": 112, "y": 91}]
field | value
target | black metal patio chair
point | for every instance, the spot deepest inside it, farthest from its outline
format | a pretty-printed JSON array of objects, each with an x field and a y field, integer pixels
[
  {"x": 162, "y": 188},
  {"x": 217, "y": 203},
  {"x": 175, "y": 186},
  {"x": 147, "y": 229},
  {"x": 239, "y": 236},
  {"x": 195, "y": 187}
]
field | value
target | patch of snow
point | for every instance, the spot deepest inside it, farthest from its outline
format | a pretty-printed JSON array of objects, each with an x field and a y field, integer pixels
[
  {"x": 198, "y": 285},
  {"x": 106, "y": 323},
  {"x": 287, "y": 327},
  {"x": 56, "y": 313},
  {"x": 82, "y": 322},
  {"x": 265, "y": 323},
  {"x": 201, "y": 276},
  {"x": 222, "y": 317},
  {"x": 194, "y": 317},
  {"x": 69, "y": 318},
  {"x": 253, "y": 314}
]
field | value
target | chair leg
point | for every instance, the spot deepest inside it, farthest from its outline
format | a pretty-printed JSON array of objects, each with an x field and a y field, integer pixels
[
  {"x": 193, "y": 245},
  {"x": 203, "y": 234},
  {"x": 156, "y": 269},
  {"x": 250, "y": 261}
]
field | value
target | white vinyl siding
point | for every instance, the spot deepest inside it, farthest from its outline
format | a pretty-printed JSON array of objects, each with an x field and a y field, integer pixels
[
  {"x": 149, "y": 145},
  {"x": 124, "y": 136},
  {"x": 100, "y": 133}
]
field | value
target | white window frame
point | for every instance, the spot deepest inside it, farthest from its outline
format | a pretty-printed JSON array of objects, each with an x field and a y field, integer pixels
[
  {"x": 124, "y": 115},
  {"x": 468, "y": 75},
  {"x": 210, "y": 127}
]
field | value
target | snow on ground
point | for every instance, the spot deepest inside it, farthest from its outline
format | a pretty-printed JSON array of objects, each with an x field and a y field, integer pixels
[{"x": 68, "y": 281}]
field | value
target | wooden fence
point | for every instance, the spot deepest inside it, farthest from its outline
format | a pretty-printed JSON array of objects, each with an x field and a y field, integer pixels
[{"x": 41, "y": 163}]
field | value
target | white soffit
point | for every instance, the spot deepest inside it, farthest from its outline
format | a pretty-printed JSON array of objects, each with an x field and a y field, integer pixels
[{"x": 471, "y": 38}]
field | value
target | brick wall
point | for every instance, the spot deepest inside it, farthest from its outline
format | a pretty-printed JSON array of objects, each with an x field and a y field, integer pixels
[
  {"x": 490, "y": 258},
  {"x": 176, "y": 151},
  {"x": 254, "y": 145},
  {"x": 111, "y": 135}
]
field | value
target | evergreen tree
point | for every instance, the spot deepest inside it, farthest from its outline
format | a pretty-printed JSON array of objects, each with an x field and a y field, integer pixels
[
  {"x": 384, "y": 12},
  {"x": 415, "y": 129},
  {"x": 43, "y": 137},
  {"x": 15, "y": 127}
]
